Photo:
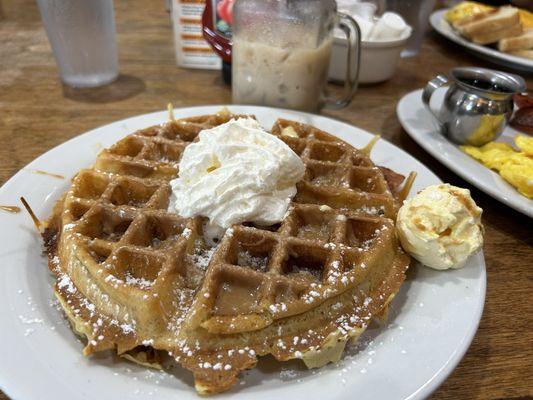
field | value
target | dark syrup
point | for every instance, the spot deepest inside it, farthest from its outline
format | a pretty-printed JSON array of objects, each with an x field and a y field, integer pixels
[
  {"x": 10, "y": 209},
  {"x": 486, "y": 85}
]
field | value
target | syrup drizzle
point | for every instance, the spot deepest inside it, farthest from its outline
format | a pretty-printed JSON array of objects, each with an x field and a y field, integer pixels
[
  {"x": 10, "y": 209},
  {"x": 36, "y": 221},
  {"x": 38, "y": 171}
]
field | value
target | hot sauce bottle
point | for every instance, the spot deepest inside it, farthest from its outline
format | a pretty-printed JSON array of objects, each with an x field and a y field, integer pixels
[{"x": 216, "y": 21}]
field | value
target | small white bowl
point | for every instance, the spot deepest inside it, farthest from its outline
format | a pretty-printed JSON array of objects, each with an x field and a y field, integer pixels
[{"x": 378, "y": 59}]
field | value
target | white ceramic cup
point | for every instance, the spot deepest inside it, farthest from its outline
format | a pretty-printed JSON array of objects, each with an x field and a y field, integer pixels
[{"x": 378, "y": 59}]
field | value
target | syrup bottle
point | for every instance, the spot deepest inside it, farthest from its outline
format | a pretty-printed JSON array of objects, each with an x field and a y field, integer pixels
[{"x": 216, "y": 26}]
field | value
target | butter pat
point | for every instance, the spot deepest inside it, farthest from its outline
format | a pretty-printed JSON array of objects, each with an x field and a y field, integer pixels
[
  {"x": 236, "y": 172},
  {"x": 441, "y": 226},
  {"x": 289, "y": 131}
]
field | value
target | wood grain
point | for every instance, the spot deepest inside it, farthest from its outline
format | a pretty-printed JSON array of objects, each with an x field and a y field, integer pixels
[{"x": 37, "y": 113}]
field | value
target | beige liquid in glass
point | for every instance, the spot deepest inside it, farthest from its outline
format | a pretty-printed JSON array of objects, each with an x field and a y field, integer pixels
[{"x": 292, "y": 75}]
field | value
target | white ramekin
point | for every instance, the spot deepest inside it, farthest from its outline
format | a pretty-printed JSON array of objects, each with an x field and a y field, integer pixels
[{"x": 378, "y": 59}]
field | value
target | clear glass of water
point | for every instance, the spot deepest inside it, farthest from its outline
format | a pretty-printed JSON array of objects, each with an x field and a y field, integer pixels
[
  {"x": 416, "y": 13},
  {"x": 82, "y": 36}
]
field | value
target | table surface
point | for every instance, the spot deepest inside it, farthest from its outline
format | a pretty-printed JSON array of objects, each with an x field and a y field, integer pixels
[{"x": 38, "y": 113}]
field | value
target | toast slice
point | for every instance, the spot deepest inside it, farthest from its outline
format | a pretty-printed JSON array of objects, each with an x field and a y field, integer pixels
[
  {"x": 504, "y": 17},
  {"x": 496, "y": 35},
  {"x": 521, "y": 42},
  {"x": 478, "y": 16},
  {"x": 523, "y": 53}
]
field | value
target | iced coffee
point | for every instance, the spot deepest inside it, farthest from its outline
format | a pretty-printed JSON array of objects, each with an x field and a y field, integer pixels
[{"x": 288, "y": 71}]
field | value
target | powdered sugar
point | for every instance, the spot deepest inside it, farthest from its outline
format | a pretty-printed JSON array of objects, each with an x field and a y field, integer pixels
[
  {"x": 258, "y": 263},
  {"x": 202, "y": 256},
  {"x": 140, "y": 282}
]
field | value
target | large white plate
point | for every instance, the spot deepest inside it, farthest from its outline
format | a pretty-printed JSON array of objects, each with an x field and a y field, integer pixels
[
  {"x": 432, "y": 321},
  {"x": 420, "y": 125},
  {"x": 442, "y": 26}
]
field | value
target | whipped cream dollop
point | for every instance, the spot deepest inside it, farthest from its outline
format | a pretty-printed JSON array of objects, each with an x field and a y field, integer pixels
[
  {"x": 441, "y": 226},
  {"x": 236, "y": 172}
]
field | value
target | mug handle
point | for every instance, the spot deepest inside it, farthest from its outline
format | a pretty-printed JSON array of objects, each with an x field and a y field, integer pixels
[
  {"x": 353, "y": 36},
  {"x": 434, "y": 84}
]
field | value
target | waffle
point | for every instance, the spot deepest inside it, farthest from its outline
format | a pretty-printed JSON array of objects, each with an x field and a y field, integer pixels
[{"x": 135, "y": 278}]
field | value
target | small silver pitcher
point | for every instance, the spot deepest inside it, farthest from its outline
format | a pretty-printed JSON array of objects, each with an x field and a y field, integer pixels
[{"x": 477, "y": 105}]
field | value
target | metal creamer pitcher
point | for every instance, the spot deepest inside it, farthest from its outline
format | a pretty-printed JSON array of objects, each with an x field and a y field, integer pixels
[{"x": 477, "y": 105}]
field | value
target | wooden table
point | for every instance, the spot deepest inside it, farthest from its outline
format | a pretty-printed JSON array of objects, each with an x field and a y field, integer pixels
[{"x": 37, "y": 113}]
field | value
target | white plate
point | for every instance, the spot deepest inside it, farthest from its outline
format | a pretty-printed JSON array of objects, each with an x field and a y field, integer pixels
[
  {"x": 442, "y": 26},
  {"x": 432, "y": 321},
  {"x": 421, "y": 126}
]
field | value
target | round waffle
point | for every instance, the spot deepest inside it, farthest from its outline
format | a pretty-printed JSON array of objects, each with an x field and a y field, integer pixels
[{"x": 134, "y": 277}]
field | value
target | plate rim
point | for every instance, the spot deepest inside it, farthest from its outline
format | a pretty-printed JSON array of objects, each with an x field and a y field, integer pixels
[
  {"x": 484, "y": 187},
  {"x": 436, "y": 19},
  {"x": 444, "y": 373},
  {"x": 422, "y": 392}
]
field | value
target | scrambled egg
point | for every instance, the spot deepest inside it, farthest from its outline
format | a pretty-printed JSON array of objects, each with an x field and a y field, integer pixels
[
  {"x": 525, "y": 144},
  {"x": 465, "y": 9},
  {"x": 469, "y": 8},
  {"x": 526, "y": 18},
  {"x": 516, "y": 167}
]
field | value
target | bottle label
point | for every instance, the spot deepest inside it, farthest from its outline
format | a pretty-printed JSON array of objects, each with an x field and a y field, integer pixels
[
  {"x": 223, "y": 17},
  {"x": 192, "y": 51}
]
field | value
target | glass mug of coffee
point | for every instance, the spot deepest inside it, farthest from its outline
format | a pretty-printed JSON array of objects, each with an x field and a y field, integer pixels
[{"x": 281, "y": 53}]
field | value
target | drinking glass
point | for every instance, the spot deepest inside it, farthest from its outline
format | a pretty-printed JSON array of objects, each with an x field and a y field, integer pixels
[
  {"x": 416, "y": 13},
  {"x": 82, "y": 36}
]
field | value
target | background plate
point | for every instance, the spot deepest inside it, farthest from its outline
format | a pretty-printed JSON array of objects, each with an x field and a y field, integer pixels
[
  {"x": 438, "y": 23},
  {"x": 422, "y": 127},
  {"x": 431, "y": 324}
]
